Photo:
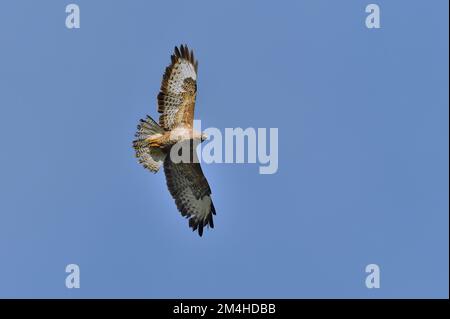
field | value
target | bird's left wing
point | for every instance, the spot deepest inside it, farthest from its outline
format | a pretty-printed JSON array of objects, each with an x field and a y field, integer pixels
[
  {"x": 191, "y": 191},
  {"x": 176, "y": 100}
]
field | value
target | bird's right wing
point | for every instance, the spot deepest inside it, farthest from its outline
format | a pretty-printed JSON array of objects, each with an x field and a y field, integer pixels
[{"x": 176, "y": 100}]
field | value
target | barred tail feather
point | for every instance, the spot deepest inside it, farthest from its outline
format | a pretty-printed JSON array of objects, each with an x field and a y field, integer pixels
[{"x": 150, "y": 157}]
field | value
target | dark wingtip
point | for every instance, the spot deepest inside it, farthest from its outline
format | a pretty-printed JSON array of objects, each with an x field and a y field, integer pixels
[
  {"x": 200, "y": 229},
  {"x": 213, "y": 209},
  {"x": 184, "y": 52},
  {"x": 181, "y": 50},
  {"x": 196, "y": 225},
  {"x": 177, "y": 51},
  {"x": 211, "y": 222}
]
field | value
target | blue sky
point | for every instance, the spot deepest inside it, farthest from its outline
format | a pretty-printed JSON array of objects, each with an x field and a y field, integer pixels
[{"x": 363, "y": 149}]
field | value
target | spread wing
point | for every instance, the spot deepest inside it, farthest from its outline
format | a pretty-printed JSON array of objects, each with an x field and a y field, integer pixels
[
  {"x": 176, "y": 100},
  {"x": 191, "y": 191}
]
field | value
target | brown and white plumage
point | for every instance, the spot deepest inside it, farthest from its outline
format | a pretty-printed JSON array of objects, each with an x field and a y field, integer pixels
[
  {"x": 176, "y": 103},
  {"x": 191, "y": 191}
]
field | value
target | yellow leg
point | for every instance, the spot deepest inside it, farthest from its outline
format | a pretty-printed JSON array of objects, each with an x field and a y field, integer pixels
[{"x": 154, "y": 141}]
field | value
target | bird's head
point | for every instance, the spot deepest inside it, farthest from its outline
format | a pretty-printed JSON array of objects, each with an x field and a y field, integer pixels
[{"x": 203, "y": 137}]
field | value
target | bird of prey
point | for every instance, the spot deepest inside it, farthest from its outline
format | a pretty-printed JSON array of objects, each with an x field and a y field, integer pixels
[{"x": 154, "y": 142}]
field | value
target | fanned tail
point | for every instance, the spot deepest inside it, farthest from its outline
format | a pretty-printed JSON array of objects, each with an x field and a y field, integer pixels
[{"x": 150, "y": 157}]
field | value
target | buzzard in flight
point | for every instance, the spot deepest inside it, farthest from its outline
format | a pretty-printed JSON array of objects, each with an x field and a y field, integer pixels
[{"x": 153, "y": 144}]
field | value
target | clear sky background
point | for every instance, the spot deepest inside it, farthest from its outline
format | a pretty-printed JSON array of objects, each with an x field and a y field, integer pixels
[{"x": 363, "y": 149}]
